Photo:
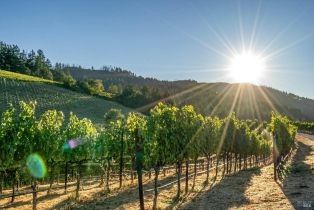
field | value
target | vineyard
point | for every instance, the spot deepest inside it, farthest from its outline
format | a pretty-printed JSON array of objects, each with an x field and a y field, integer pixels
[
  {"x": 15, "y": 87},
  {"x": 171, "y": 141},
  {"x": 306, "y": 127}
]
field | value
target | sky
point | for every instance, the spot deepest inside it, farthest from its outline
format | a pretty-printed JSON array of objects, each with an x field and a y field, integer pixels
[{"x": 170, "y": 40}]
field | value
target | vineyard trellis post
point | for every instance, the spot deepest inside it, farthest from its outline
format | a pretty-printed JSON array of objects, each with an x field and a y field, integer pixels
[
  {"x": 34, "y": 186},
  {"x": 66, "y": 177},
  {"x": 275, "y": 158},
  {"x": 139, "y": 165}
]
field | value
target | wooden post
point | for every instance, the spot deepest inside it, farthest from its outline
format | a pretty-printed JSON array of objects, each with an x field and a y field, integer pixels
[
  {"x": 13, "y": 186},
  {"x": 34, "y": 193},
  {"x": 275, "y": 158},
  {"x": 66, "y": 177},
  {"x": 139, "y": 166},
  {"x": 78, "y": 181},
  {"x": 121, "y": 161}
]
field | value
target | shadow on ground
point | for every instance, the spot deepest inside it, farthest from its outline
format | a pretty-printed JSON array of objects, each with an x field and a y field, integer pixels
[
  {"x": 227, "y": 193},
  {"x": 298, "y": 181},
  {"x": 126, "y": 195}
]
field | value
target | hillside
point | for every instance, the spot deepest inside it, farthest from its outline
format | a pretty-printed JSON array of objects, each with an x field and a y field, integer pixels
[
  {"x": 118, "y": 76},
  {"x": 247, "y": 100},
  {"x": 15, "y": 87},
  {"x": 252, "y": 101},
  {"x": 24, "y": 77}
]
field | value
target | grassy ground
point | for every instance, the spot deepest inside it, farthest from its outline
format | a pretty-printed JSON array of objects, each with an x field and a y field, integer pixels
[
  {"x": 15, "y": 87},
  {"x": 251, "y": 189},
  {"x": 23, "y": 77}
]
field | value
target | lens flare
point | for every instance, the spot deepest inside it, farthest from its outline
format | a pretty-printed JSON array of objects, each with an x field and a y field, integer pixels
[
  {"x": 66, "y": 147},
  {"x": 72, "y": 144},
  {"x": 36, "y": 166}
]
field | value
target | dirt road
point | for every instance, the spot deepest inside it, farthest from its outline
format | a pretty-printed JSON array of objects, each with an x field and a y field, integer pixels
[{"x": 256, "y": 189}]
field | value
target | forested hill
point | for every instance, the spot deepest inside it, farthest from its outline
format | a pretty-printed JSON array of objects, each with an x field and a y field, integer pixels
[
  {"x": 250, "y": 101},
  {"x": 118, "y": 76},
  {"x": 122, "y": 82}
]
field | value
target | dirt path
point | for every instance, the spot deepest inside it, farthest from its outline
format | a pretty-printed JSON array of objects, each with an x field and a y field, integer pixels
[{"x": 256, "y": 189}]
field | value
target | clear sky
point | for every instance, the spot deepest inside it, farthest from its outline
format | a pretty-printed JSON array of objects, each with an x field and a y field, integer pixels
[{"x": 170, "y": 39}]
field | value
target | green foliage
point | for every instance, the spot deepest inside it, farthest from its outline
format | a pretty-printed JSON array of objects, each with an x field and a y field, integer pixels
[
  {"x": 96, "y": 86},
  {"x": 107, "y": 144},
  {"x": 136, "y": 124},
  {"x": 8, "y": 143},
  {"x": 82, "y": 132},
  {"x": 284, "y": 133},
  {"x": 168, "y": 135},
  {"x": 49, "y": 135},
  {"x": 25, "y": 131},
  {"x": 242, "y": 144},
  {"x": 13, "y": 59},
  {"x": 208, "y": 138},
  {"x": 188, "y": 124},
  {"x": 305, "y": 126},
  {"x": 161, "y": 142},
  {"x": 113, "y": 115}
]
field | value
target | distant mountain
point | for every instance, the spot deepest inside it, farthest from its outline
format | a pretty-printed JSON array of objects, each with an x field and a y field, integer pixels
[
  {"x": 118, "y": 76},
  {"x": 247, "y": 100}
]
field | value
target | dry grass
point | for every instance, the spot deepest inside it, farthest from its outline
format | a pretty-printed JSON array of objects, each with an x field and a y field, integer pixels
[{"x": 251, "y": 189}]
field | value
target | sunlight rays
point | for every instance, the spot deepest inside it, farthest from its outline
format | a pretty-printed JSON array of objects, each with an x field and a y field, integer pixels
[
  {"x": 283, "y": 31},
  {"x": 224, "y": 94},
  {"x": 243, "y": 61},
  {"x": 225, "y": 129},
  {"x": 269, "y": 102},
  {"x": 255, "y": 25},
  {"x": 230, "y": 50},
  {"x": 241, "y": 26},
  {"x": 189, "y": 90},
  {"x": 293, "y": 44},
  {"x": 220, "y": 37},
  {"x": 256, "y": 108}
]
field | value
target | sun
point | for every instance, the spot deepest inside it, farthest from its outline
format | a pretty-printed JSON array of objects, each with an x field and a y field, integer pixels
[{"x": 246, "y": 67}]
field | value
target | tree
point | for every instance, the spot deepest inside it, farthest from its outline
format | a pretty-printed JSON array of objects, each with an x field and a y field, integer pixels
[
  {"x": 96, "y": 86},
  {"x": 113, "y": 115},
  {"x": 114, "y": 89}
]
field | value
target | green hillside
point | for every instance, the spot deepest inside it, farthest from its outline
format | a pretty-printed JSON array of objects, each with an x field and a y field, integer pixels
[
  {"x": 15, "y": 87},
  {"x": 24, "y": 77},
  {"x": 248, "y": 101}
]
